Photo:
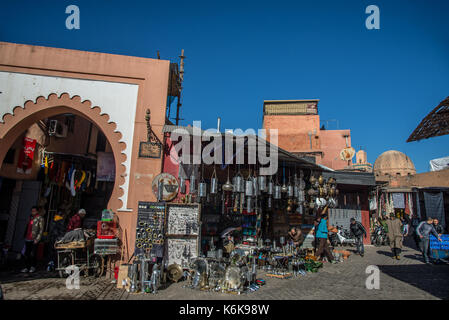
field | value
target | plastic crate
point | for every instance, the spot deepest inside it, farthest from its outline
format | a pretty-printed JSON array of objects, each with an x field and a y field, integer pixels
[
  {"x": 106, "y": 229},
  {"x": 437, "y": 245}
]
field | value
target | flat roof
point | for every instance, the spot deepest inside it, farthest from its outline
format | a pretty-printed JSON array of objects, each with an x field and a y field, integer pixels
[{"x": 302, "y": 100}]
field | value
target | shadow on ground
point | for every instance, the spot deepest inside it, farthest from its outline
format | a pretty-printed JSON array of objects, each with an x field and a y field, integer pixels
[{"x": 434, "y": 279}]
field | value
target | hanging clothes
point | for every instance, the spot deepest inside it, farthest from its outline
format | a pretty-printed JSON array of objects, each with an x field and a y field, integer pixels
[
  {"x": 398, "y": 200},
  {"x": 434, "y": 203},
  {"x": 407, "y": 204},
  {"x": 410, "y": 197}
]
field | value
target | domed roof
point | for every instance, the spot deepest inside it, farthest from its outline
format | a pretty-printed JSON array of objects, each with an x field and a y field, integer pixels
[{"x": 394, "y": 163}]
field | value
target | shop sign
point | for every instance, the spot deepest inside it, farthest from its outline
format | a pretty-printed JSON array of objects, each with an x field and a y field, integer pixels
[{"x": 149, "y": 150}]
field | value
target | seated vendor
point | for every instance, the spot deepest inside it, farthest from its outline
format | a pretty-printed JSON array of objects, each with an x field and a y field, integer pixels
[
  {"x": 76, "y": 221},
  {"x": 228, "y": 239},
  {"x": 295, "y": 235}
]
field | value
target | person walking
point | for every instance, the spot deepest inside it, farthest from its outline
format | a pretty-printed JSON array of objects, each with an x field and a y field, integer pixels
[
  {"x": 405, "y": 225},
  {"x": 33, "y": 235},
  {"x": 358, "y": 231},
  {"x": 321, "y": 236},
  {"x": 395, "y": 235},
  {"x": 424, "y": 230}
]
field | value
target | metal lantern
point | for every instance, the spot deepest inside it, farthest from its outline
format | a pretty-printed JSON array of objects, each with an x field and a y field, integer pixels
[
  {"x": 284, "y": 188},
  {"x": 214, "y": 183},
  {"x": 249, "y": 192},
  {"x": 228, "y": 186},
  {"x": 321, "y": 180},
  {"x": 277, "y": 192},
  {"x": 182, "y": 185},
  {"x": 192, "y": 188},
  {"x": 290, "y": 190},
  {"x": 239, "y": 183},
  {"x": 262, "y": 180},
  {"x": 256, "y": 187},
  {"x": 269, "y": 203},
  {"x": 270, "y": 188},
  {"x": 202, "y": 189},
  {"x": 296, "y": 191}
]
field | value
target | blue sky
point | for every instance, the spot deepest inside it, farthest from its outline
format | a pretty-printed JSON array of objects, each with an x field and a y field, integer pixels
[{"x": 378, "y": 83}]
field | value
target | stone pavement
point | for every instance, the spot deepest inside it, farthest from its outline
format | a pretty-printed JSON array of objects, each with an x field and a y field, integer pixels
[{"x": 408, "y": 278}]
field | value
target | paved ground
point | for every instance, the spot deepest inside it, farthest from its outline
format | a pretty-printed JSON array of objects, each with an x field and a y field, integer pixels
[{"x": 408, "y": 278}]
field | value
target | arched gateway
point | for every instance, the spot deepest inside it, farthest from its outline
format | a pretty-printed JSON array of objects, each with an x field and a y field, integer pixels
[{"x": 13, "y": 125}]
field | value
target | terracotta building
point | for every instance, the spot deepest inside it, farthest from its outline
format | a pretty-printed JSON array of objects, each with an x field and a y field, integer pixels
[
  {"x": 67, "y": 109},
  {"x": 298, "y": 125}
]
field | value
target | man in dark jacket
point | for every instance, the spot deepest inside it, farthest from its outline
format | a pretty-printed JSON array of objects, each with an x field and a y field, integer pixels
[
  {"x": 424, "y": 230},
  {"x": 57, "y": 231},
  {"x": 358, "y": 231},
  {"x": 438, "y": 227}
]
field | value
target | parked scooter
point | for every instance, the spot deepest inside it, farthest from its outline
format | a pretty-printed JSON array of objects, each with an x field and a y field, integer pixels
[{"x": 342, "y": 238}]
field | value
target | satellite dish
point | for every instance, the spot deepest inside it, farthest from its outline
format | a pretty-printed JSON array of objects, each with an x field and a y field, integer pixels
[{"x": 347, "y": 153}]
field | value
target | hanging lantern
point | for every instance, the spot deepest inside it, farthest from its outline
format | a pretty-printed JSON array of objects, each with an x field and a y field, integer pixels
[
  {"x": 238, "y": 183},
  {"x": 277, "y": 192},
  {"x": 228, "y": 185},
  {"x": 269, "y": 203},
  {"x": 202, "y": 189},
  {"x": 284, "y": 188},
  {"x": 262, "y": 180},
  {"x": 290, "y": 191},
  {"x": 214, "y": 183},
  {"x": 192, "y": 188},
  {"x": 321, "y": 180},
  {"x": 249, "y": 192},
  {"x": 182, "y": 185},
  {"x": 270, "y": 188},
  {"x": 256, "y": 187}
]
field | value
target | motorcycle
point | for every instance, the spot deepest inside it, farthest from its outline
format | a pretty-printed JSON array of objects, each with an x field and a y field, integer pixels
[
  {"x": 342, "y": 238},
  {"x": 379, "y": 237}
]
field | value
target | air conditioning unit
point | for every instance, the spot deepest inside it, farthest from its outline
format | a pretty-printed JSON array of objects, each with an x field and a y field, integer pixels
[{"x": 57, "y": 129}]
